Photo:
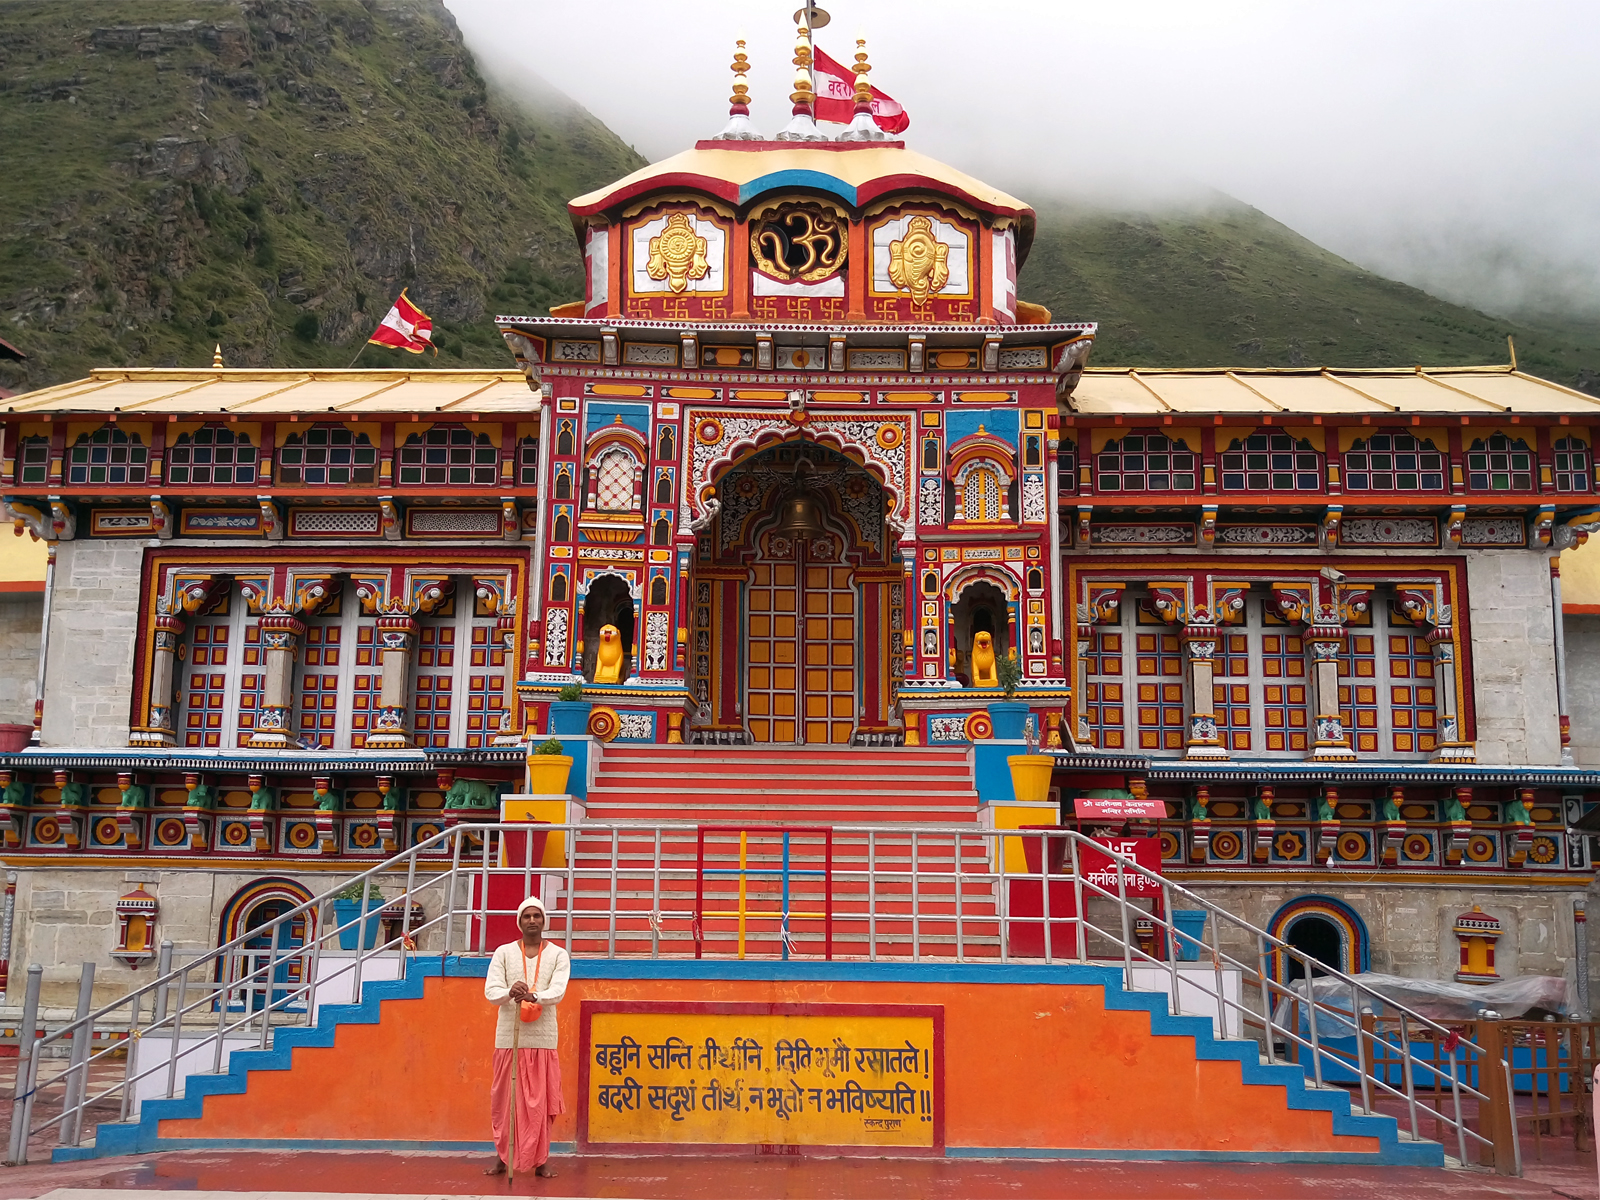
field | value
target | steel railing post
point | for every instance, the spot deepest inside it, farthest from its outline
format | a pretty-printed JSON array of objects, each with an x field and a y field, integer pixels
[
  {"x": 1170, "y": 936},
  {"x": 1263, "y": 982},
  {"x": 318, "y": 919},
  {"x": 611, "y": 919},
  {"x": 655, "y": 900},
  {"x": 1044, "y": 867},
  {"x": 1365, "y": 1056},
  {"x": 1410, "y": 1080},
  {"x": 77, "y": 1082},
  {"x": 163, "y": 969},
  {"x": 1077, "y": 902},
  {"x": 1127, "y": 935},
  {"x": 27, "y": 1033},
  {"x": 961, "y": 931},
  {"x": 1311, "y": 1017},
  {"x": 1216, "y": 966},
  {"x": 454, "y": 888},
  {"x": 177, "y": 1032},
  {"x": 916, "y": 913},
  {"x": 997, "y": 845},
  {"x": 872, "y": 895}
]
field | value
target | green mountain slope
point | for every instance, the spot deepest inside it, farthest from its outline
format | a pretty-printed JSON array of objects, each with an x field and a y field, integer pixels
[
  {"x": 268, "y": 174},
  {"x": 1229, "y": 286}
]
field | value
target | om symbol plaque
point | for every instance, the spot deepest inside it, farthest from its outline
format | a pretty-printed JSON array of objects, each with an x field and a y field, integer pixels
[{"x": 800, "y": 243}]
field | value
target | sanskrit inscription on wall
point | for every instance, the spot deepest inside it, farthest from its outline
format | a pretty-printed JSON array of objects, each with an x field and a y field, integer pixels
[{"x": 759, "y": 1074}]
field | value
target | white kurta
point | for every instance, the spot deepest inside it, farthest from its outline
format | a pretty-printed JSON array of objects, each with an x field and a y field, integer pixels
[{"x": 506, "y": 968}]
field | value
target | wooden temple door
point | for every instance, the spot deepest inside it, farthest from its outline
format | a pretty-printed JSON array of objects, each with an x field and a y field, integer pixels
[{"x": 800, "y": 651}]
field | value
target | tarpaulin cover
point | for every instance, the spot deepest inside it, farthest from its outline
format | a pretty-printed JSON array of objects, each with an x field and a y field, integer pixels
[{"x": 1435, "y": 999}]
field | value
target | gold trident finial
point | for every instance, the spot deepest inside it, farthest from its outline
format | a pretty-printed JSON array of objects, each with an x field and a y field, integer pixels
[
  {"x": 740, "y": 68},
  {"x": 803, "y": 93},
  {"x": 216, "y": 356},
  {"x": 862, "y": 68}
]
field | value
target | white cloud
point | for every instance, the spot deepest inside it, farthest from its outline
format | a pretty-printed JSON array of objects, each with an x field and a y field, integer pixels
[{"x": 1452, "y": 143}]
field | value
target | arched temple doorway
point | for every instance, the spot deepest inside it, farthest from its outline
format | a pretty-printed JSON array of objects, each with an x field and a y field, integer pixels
[
  {"x": 1326, "y": 930},
  {"x": 793, "y": 597}
]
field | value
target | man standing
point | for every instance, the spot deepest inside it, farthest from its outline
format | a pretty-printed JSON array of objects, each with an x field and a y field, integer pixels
[{"x": 527, "y": 979}]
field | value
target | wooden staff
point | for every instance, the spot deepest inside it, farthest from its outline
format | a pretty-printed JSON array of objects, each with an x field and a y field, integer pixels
[{"x": 511, "y": 1152}]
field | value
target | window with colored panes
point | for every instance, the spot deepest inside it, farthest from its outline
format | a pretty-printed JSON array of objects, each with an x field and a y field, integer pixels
[
  {"x": 448, "y": 454},
  {"x": 1271, "y": 462},
  {"x": 212, "y": 454},
  {"x": 1145, "y": 462},
  {"x": 528, "y": 462},
  {"x": 33, "y": 463},
  {"x": 1572, "y": 465},
  {"x": 614, "y": 486},
  {"x": 1393, "y": 462},
  {"x": 108, "y": 455},
  {"x": 327, "y": 455},
  {"x": 1500, "y": 464},
  {"x": 980, "y": 495}
]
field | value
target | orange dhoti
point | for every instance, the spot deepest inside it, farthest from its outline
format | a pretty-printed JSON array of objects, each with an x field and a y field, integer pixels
[{"x": 538, "y": 1102}]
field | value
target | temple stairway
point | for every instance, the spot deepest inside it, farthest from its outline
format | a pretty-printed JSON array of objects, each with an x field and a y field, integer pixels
[{"x": 766, "y": 791}]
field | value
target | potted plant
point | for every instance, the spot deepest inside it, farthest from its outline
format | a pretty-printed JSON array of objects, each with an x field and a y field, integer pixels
[
  {"x": 348, "y": 909},
  {"x": 548, "y": 769},
  {"x": 1010, "y": 716},
  {"x": 569, "y": 713}
]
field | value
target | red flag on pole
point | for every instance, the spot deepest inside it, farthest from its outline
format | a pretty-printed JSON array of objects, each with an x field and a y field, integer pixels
[
  {"x": 406, "y": 327},
  {"x": 836, "y": 97}
]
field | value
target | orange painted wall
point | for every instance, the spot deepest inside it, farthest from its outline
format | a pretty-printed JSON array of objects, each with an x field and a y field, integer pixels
[{"x": 1026, "y": 1065}]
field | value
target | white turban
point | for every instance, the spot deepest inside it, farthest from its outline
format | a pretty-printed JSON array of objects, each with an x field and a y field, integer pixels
[{"x": 530, "y": 902}]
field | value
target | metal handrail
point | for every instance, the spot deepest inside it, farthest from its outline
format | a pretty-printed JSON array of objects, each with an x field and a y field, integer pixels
[{"x": 877, "y": 876}]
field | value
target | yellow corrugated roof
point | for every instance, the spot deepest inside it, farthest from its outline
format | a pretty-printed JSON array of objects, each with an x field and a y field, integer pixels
[
  {"x": 1103, "y": 391},
  {"x": 268, "y": 392},
  {"x": 1483, "y": 391}
]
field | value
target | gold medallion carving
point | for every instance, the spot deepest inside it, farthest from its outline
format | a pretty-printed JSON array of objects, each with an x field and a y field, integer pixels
[
  {"x": 803, "y": 243},
  {"x": 678, "y": 254},
  {"x": 919, "y": 262}
]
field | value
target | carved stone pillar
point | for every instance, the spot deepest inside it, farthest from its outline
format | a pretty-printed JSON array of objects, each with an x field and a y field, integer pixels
[
  {"x": 280, "y": 642},
  {"x": 1451, "y": 746},
  {"x": 1200, "y": 646},
  {"x": 511, "y": 732},
  {"x": 1332, "y": 741},
  {"x": 161, "y": 727},
  {"x": 390, "y": 728}
]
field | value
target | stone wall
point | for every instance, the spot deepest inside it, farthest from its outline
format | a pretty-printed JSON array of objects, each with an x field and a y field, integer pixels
[
  {"x": 1583, "y": 686},
  {"x": 20, "y": 615},
  {"x": 94, "y": 622},
  {"x": 1513, "y": 658}
]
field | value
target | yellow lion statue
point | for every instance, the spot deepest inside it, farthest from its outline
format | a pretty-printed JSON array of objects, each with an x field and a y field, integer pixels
[
  {"x": 983, "y": 661},
  {"x": 608, "y": 658}
]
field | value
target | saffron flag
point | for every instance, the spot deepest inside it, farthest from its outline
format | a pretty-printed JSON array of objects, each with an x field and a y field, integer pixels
[
  {"x": 836, "y": 98},
  {"x": 406, "y": 327}
]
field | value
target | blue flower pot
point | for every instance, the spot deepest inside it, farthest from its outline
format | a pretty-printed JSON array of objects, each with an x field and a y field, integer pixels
[
  {"x": 346, "y": 911},
  {"x": 1190, "y": 923},
  {"x": 1010, "y": 719},
  {"x": 569, "y": 718}
]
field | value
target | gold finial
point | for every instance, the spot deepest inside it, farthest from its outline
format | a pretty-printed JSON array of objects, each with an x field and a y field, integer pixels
[
  {"x": 803, "y": 91},
  {"x": 216, "y": 356},
  {"x": 740, "y": 68},
  {"x": 862, "y": 68}
]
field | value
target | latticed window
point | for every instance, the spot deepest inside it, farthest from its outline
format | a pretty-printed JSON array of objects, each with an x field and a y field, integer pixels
[
  {"x": 1572, "y": 465},
  {"x": 1145, "y": 462},
  {"x": 319, "y": 683},
  {"x": 214, "y": 454},
  {"x": 528, "y": 462},
  {"x": 366, "y": 693},
  {"x": 1393, "y": 462},
  {"x": 1387, "y": 694},
  {"x": 108, "y": 455},
  {"x": 1105, "y": 696},
  {"x": 1158, "y": 683},
  {"x": 206, "y": 692},
  {"x": 1500, "y": 464},
  {"x": 327, "y": 454},
  {"x": 614, "y": 474},
  {"x": 1271, "y": 462},
  {"x": 1067, "y": 469},
  {"x": 980, "y": 496},
  {"x": 1134, "y": 693},
  {"x": 448, "y": 454},
  {"x": 33, "y": 463},
  {"x": 486, "y": 684}
]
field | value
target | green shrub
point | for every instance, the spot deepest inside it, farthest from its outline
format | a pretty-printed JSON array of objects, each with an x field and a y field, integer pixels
[{"x": 548, "y": 746}]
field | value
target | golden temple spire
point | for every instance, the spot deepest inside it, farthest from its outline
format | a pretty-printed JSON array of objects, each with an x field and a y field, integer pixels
[
  {"x": 216, "y": 356},
  {"x": 862, "y": 127},
  {"x": 802, "y": 127},
  {"x": 739, "y": 128}
]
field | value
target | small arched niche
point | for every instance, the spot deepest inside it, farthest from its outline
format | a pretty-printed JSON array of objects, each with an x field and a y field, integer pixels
[
  {"x": 608, "y": 603},
  {"x": 980, "y": 608}
]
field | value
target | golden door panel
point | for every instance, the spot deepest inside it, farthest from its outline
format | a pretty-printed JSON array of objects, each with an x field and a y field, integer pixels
[
  {"x": 770, "y": 682},
  {"x": 800, "y": 653}
]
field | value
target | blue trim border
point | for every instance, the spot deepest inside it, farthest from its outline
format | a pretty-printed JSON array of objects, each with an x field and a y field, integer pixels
[{"x": 143, "y": 1136}]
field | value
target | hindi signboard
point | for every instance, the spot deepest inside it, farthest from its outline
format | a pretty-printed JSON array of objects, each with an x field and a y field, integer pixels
[
  {"x": 1102, "y": 870},
  {"x": 1119, "y": 808},
  {"x": 683, "y": 1075}
]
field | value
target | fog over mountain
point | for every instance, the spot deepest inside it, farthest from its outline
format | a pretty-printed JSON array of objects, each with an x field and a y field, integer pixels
[{"x": 1451, "y": 144}]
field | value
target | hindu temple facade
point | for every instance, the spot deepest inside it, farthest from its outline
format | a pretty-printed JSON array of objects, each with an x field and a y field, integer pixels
[{"x": 802, "y": 468}]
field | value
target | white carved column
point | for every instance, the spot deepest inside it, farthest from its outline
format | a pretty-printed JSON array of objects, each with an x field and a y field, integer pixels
[
  {"x": 391, "y": 730},
  {"x": 161, "y": 725},
  {"x": 280, "y": 643},
  {"x": 1200, "y": 647}
]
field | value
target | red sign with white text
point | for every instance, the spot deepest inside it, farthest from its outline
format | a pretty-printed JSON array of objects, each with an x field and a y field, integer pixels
[
  {"x": 1102, "y": 870},
  {"x": 1118, "y": 808}
]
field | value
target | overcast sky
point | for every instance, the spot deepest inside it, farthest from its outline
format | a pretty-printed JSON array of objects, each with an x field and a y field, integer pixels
[{"x": 1451, "y": 143}]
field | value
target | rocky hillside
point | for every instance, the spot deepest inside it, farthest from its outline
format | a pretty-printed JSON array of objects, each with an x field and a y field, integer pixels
[{"x": 268, "y": 174}]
